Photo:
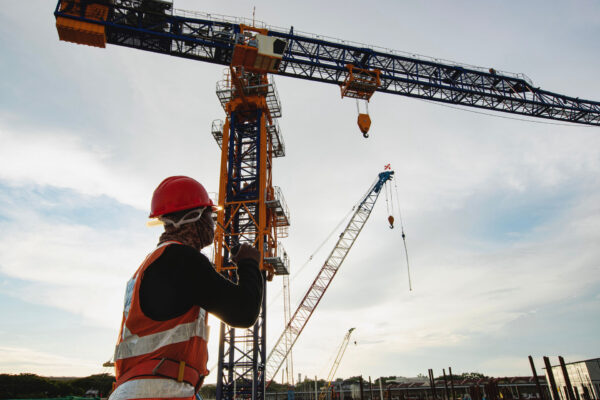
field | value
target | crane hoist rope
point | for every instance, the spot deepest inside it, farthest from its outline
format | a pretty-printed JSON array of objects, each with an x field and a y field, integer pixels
[
  {"x": 389, "y": 201},
  {"x": 403, "y": 238}
]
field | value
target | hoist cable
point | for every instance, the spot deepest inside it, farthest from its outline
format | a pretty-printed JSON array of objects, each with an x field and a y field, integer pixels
[
  {"x": 387, "y": 201},
  {"x": 403, "y": 237},
  {"x": 392, "y": 198}
]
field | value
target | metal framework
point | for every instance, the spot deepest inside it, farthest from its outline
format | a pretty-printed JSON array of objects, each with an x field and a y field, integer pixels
[
  {"x": 336, "y": 363},
  {"x": 241, "y": 222},
  {"x": 289, "y": 360},
  {"x": 146, "y": 25},
  {"x": 252, "y": 213},
  {"x": 331, "y": 266}
]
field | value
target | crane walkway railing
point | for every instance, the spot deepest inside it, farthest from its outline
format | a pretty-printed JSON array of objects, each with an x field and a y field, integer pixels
[{"x": 212, "y": 38}]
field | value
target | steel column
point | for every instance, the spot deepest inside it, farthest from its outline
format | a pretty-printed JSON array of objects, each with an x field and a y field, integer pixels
[
  {"x": 563, "y": 368},
  {"x": 535, "y": 377},
  {"x": 554, "y": 391}
]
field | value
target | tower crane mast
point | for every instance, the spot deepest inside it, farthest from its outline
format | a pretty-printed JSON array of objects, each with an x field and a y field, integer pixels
[
  {"x": 326, "y": 274},
  {"x": 254, "y": 212}
]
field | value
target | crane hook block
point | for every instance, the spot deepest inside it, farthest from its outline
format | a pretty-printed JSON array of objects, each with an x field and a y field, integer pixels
[
  {"x": 391, "y": 221},
  {"x": 364, "y": 123}
]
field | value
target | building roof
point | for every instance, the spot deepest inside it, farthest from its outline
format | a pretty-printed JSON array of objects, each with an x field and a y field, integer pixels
[{"x": 576, "y": 362}]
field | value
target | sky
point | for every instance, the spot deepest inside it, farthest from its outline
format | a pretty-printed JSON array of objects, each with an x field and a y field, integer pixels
[{"x": 501, "y": 215}]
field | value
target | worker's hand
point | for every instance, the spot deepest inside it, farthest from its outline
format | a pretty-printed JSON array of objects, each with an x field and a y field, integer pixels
[{"x": 243, "y": 251}]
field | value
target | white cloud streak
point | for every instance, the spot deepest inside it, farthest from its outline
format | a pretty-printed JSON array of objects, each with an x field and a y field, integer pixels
[
  {"x": 18, "y": 360},
  {"x": 63, "y": 161}
]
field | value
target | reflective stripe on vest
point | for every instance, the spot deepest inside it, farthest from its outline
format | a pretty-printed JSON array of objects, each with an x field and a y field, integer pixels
[
  {"x": 134, "y": 345},
  {"x": 152, "y": 389}
]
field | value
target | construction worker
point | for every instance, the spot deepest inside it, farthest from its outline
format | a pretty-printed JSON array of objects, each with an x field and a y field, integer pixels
[{"x": 161, "y": 351}]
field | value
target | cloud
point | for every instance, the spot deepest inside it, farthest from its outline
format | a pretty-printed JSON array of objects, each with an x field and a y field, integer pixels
[
  {"x": 461, "y": 294},
  {"x": 63, "y": 161},
  {"x": 66, "y": 264},
  {"x": 17, "y": 360}
]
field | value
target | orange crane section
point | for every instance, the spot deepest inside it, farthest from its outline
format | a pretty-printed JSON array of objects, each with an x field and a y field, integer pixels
[{"x": 81, "y": 32}]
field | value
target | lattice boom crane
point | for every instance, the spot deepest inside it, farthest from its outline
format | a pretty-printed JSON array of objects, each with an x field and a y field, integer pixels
[
  {"x": 325, "y": 276},
  {"x": 336, "y": 363}
]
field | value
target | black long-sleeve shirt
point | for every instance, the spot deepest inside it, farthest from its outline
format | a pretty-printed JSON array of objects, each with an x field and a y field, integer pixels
[{"x": 183, "y": 277}]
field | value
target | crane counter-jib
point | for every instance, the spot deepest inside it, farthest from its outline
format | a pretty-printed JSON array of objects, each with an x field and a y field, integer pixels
[{"x": 215, "y": 39}]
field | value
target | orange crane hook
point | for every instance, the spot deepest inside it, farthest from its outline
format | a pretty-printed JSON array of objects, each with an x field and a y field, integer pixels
[
  {"x": 364, "y": 123},
  {"x": 391, "y": 221}
]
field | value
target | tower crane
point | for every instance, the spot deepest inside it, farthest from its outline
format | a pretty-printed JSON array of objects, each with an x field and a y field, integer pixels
[
  {"x": 250, "y": 138},
  {"x": 359, "y": 70},
  {"x": 325, "y": 276},
  {"x": 336, "y": 363}
]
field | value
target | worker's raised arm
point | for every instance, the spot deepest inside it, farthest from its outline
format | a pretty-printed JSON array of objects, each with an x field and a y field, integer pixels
[
  {"x": 238, "y": 304},
  {"x": 182, "y": 277}
]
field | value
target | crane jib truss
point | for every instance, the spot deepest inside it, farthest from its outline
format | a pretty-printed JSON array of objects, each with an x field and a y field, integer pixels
[
  {"x": 207, "y": 38},
  {"x": 317, "y": 289},
  {"x": 336, "y": 363}
]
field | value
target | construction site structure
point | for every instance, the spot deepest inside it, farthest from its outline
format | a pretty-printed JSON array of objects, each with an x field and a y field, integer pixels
[
  {"x": 336, "y": 363},
  {"x": 253, "y": 209},
  {"x": 325, "y": 276}
]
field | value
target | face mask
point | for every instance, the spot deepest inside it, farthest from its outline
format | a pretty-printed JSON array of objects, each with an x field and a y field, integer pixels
[{"x": 206, "y": 229}]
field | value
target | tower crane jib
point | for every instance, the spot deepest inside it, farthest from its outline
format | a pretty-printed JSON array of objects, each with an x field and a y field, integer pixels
[{"x": 359, "y": 70}]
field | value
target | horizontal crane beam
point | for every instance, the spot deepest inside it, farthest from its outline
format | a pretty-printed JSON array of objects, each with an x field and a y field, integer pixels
[{"x": 206, "y": 38}]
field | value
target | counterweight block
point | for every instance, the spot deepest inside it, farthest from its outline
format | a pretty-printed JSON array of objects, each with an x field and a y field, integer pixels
[{"x": 82, "y": 32}]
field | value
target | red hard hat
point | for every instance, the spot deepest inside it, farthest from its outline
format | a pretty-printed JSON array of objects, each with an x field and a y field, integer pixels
[{"x": 177, "y": 193}]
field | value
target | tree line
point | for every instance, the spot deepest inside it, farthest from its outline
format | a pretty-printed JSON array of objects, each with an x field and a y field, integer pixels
[{"x": 30, "y": 386}]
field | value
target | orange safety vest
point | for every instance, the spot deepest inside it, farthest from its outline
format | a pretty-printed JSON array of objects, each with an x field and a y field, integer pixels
[{"x": 159, "y": 359}]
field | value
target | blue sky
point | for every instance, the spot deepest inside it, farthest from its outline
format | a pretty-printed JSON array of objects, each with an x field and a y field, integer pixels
[{"x": 501, "y": 216}]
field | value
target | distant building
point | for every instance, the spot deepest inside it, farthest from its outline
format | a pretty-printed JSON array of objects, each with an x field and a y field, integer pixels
[
  {"x": 92, "y": 393},
  {"x": 584, "y": 377},
  {"x": 402, "y": 379}
]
